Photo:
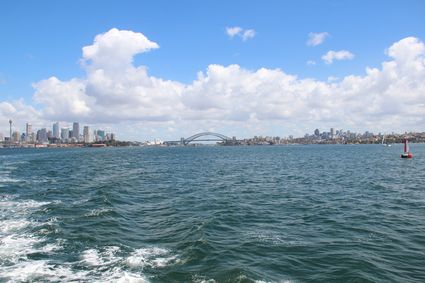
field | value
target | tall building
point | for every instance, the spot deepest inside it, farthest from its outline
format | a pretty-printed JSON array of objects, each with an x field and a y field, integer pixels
[
  {"x": 76, "y": 130},
  {"x": 317, "y": 132},
  {"x": 86, "y": 134},
  {"x": 56, "y": 132},
  {"x": 28, "y": 132},
  {"x": 332, "y": 133},
  {"x": 15, "y": 137},
  {"x": 64, "y": 134},
  {"x": 100, "y": 135},
  {"x": 42, "y": 135},
  {"x": 10, "y": 131}
]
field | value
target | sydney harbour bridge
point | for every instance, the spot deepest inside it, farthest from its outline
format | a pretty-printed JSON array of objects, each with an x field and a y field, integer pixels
[{"x": 205, "y": 137}]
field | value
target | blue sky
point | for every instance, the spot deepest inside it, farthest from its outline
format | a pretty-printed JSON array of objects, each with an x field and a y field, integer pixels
[{"x": 41, "y": 39}]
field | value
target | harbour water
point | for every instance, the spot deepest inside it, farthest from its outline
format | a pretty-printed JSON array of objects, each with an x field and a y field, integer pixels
[{"x": 319, "y": 213}]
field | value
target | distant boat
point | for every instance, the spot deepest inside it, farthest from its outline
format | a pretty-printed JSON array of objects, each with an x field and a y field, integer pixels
[
  {"x": 383, "y": 140},
  {"x": 407, "y": 153}
]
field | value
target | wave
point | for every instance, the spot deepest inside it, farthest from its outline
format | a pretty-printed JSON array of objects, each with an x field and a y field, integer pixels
[{"x": 19, "y": 242}]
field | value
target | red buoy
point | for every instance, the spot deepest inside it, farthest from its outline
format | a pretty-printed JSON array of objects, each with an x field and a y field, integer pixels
[{"x": 406, "y": 153}]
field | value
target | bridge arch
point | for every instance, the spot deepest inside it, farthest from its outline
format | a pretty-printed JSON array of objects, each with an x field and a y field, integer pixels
[{"x": 197, "y": 136}]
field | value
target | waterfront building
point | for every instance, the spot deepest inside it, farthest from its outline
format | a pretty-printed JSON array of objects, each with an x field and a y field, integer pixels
[
  {"x": 86, "y": 134},
  {"x": 64, "y": 134},
  {"x": 332, "y": 133},
  {"x": 76, "y": 130},
  {"x": 28, "y": 132},
  {"x": 42, "y": 136},
  {"x": 56, "y": 133},
  {"x": 100, "y": 135},
  {"x": 15, "y": 136}
]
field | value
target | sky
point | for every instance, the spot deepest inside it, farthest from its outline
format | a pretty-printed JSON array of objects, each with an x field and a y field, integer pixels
[{"x": 170, "y": 69}]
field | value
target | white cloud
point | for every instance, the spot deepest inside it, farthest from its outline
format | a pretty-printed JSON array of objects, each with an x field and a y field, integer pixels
[
  {"x": 233, "y": 31},
  {"x": 20, "y": 113},
  {"x": 332, "y": 79},
  {"x": 315, "y": 39},
  {"x": 230, "y": 98},
  {"x": 244, "y": 34},
  {"x": 311, "y": 63},
  {"x": 247, "y": 34},
  {"x": 115, "y": 49},
  {"x": 63, "y": 100},
  {"x": 331, "y": 55}
]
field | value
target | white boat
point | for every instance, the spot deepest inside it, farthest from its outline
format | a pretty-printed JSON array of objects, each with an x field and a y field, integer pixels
[{"x": 383, "y": 140}]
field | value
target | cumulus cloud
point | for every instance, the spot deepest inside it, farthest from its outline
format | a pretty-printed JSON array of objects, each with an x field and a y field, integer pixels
[
  {"x": 244, "y": 34},
  {"x": 20, "y": 113},
  {"x": 247, "y": 34},
  {"x": 233, "y": 31},
  {"x": 231, "y": 97},
  {"x": 315, "y": 39},
  {"x": 331, "y": 55},
  {"x": 115, "y": 49}
]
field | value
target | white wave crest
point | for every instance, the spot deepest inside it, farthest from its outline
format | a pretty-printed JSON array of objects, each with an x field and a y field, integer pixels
[
  {"x": 94, "y": 257},
  {"x": 41, "y": 270},
  {"x": 151, "y": 257}
]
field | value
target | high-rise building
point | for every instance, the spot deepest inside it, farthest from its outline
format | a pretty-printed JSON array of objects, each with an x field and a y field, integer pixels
[
  {"x": 42, "y": 135},
  {"x": 15, "y": 136},
  {"x": 86, "y": 134},
  {"x": 28, "y": 132},
  {"x": 56, "y": 132},
  {"x": 332, "y": 133},
  {"x": 317, "y": 132},
  {"x": 76, "y": 130},
  {"x": 100, "y": 134},
  {"x": 10, "y": 131},
  {"x": 64, "y": 134}
]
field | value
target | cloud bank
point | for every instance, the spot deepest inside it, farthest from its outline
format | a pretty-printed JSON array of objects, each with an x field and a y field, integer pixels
[{"x": 114, "y": 90}]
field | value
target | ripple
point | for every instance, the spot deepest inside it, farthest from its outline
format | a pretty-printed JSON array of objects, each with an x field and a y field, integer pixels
[{"x": 216, "y": 214}]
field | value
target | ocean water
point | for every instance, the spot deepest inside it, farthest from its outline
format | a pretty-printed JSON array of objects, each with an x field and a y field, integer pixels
[{"x": 319, "y": 213}]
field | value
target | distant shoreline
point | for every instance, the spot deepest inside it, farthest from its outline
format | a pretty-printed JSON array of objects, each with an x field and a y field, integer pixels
[{"x": 197, "y": 145}]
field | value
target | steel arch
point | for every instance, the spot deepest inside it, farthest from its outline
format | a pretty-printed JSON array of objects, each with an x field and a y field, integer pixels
[{"x": 194, "y": 137}]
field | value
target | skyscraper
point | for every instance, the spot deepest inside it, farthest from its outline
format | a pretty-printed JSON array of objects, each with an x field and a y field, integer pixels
[
  {"x": 64, "y": 134},
  {"x": 86, "y": 134},
  {"x": 28, "y": 132},
  {"x": 42, "y": 135},
  {"x": 10, "y": 132},
  {"x": 56, "y": 132},
  {"x": 100, "y": 134},
  {"x": 76, "y": 130},
  {"x": 15, "y": 137}
]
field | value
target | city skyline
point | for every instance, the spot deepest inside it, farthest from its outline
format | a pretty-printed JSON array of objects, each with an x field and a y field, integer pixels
[
  {"x": 60, "y": 134},
  {"x": 57, "y": 133},
  {"x": 244, "y": 69}
]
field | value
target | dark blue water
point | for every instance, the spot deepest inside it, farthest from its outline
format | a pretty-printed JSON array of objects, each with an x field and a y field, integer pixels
[{"x": 213, "y": 214}]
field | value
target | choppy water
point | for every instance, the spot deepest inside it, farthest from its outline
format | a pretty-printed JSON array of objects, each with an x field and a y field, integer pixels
[{"x": 213, "y": 214}]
